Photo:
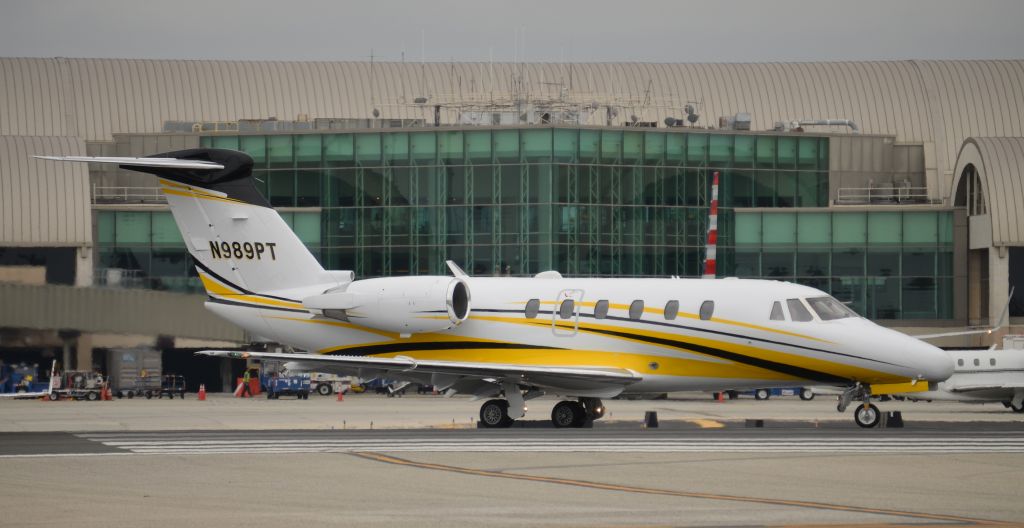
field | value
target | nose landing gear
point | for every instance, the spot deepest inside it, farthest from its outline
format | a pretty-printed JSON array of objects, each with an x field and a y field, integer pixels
[{"x": 866, "y": 414}]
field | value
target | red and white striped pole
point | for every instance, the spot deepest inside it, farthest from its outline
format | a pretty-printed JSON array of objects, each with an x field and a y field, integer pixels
[{"x": 712, "y": 246}]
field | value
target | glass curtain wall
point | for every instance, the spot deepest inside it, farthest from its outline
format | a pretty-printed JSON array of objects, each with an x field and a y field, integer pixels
[
  {"x": 883, "y": 264},
  {"x": 508, "y": 201}
]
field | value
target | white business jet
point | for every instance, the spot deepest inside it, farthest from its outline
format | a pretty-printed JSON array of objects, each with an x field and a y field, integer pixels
[{"x": 513, "y": 339}]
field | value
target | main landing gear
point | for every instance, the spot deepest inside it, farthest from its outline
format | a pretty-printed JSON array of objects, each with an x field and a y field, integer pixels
[
  {"x": 494, "y": 413},
  {"x": 866, "y": 414}
]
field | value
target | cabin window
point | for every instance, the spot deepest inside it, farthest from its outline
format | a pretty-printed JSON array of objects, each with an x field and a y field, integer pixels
[
  {"x": 601, "y": 309},
  {"x": 977, "y": 362},
  {"x": 532, "y": 308},
  {"x": 636, "y": 309},
  {"x": 960, "y": 362},
  {"x": 707, "y": 309},
  {"x": 671, "y": 310},
  {"x": 798, "y": 311},
  {"x": 992, "y": 362},
  {"x": 777, "y": 314},
  {"x": 566, "y": 309}
]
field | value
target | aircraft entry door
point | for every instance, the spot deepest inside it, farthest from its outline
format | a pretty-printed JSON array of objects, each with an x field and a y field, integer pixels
[{"x": 565, "y": 314}]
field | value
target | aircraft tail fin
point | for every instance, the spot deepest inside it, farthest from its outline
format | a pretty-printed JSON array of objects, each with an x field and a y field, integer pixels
[{"x": 239, "y": 243}]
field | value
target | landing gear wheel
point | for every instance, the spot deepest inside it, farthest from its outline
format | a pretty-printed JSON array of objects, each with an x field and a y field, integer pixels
[
  {"x": 494, "y": 414},
  {"x": 806, "y": 394},
  {"x": 762, "y": 394},
  {"x": 593, "y": 407},
  {"x": 867, "y": 416},
  {"x": 568, "y": 414},
  {"x": 1016, "y": 408},
  {"x": 324, "y": 389}
]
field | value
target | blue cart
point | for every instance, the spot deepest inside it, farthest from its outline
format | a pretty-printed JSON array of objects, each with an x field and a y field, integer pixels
[{"x": 297, "y": 386}]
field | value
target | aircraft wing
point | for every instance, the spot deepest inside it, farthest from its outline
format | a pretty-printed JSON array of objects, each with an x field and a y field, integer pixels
[
  {"x": 141, "y": 162},
  {"x": 598, "y": 380},
  {"x": 985, "y": 386}
]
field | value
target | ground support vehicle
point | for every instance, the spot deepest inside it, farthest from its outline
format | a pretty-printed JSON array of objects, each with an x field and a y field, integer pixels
[
  {"x": 78, "y": 385},
  {"x": 170, "y": 385},
  {"x": 297, "y": 385}
]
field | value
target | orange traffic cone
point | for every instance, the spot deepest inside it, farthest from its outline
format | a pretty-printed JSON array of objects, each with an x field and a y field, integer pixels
[
  {"x": 720, "y": 397},
  {"x": 202, "y": 392},
  {"x": 341, "y": 395}
]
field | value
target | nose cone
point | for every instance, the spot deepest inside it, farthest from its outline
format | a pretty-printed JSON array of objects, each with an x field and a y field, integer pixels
[{"x": 931, "y": 362}]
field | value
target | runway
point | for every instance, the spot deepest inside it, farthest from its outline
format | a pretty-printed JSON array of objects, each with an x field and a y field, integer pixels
[{"x": 961, "y": 440}]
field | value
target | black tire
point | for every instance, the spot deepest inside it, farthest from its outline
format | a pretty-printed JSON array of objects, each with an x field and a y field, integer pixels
[
  {"x": 149, "y": 395},
  {"x": 130, "y": 395},
  {"x": 568, "y": 414},
  {"x": 53, "y": 396},
  {"x": 92, "y": 396},
  {"x": 762, "y": 394},
  {"x": 732, "y": 394},
  {"x": 806, "y": 394},
  {"x": 324, "y": 389},
  {"x": 270, "y": 395},
  {"x": 1016, "y": 409},
  {"x": 494, "y": 414},
  {"x": 867, "y": 416}
]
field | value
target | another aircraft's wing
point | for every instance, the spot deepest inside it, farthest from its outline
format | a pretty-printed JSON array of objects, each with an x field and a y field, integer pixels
[
  {"x": 40, "y": 394},
  {"x": 141, "y": 162},
  {"x": 611, "y": 380},
  {"x": 985, "y": 386}
]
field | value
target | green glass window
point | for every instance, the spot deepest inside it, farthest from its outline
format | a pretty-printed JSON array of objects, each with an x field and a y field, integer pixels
[
  {"x": 946, "y": 228},
  {"x": 720, "y": 150},
  {"x": 785, "y": 188},
  {"x": 632, "y": 146},
  {"x": 368, "y": 149},
  {"x": 849, "y": 228},
  {"x": 338, "y": 150},
  {"x": 884, "y": 228},
  {"x": 105, "y": 231},
  {"x": 449, "y": 147},
  {"x": 696, "y": 149},
  {"x": 308, "y": 150},
  {"x": 256, "y": 147},
  {"x": 883, "y": 262},
  {"x": 675, "y": 148},
  {"x": 281, "y": 188},
  {"x": 506, "y": 146},
  {"x": 779, "y": 228},
  {"x": 920, "y": 228},
  {"x": 787, "y": 152},
  {"x": 765, "y": 152},
  {"x": 764, "y": 188},
  {"x": 307, "y": 227},
  {"x": 654, "y": 148},
  {"x": 807, "y": 158},
  {"x": 814, "y": 228},
  {"x": 396, "y": 147},
  {"x": 478, "y": 146},
  {"x": 165, "y": 230},
  {"x": 611, "y": 145},
  {"x": 748, "y": 229},
  {"x": 777, "y": 262},
  {"x": 536, "y": 144},
  {"x": 423, "y": 146},
  {"x": 566, "y": 145},
  {"x": 225, "y": 142},
  {"x": 738, "y": 187},
  {"x": 307, "y": 188},
  {"x": 132, "y": 227},
  {"x": 280, "y": 151},
  {"x": 590, "y": 145},
  {"x": 745, "y": 149},
  {"x": 812, "y": 263},
  {"x": 807, "y": 191}
]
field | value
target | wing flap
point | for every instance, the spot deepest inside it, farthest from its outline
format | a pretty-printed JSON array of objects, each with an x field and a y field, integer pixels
[{"x": 581, "y": 378}]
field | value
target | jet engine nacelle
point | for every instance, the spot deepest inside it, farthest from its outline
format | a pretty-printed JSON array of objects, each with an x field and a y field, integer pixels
[{"x": 405, "y": 305}]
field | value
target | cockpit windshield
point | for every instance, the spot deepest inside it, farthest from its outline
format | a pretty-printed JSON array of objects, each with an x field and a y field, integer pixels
[{"x": 828, "y": 308}]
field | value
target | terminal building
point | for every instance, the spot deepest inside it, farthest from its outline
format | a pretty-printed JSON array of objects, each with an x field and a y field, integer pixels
[{"x": 893, "y": 186}]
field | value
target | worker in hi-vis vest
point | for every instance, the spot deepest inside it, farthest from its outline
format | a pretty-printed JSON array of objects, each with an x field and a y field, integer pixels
[{"x": 246, "y": 389}]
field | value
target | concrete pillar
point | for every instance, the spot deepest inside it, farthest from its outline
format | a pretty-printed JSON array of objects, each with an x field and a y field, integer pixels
[
  {"x": 998, "y": 279},
  {"x": 83, "y": 352},
  {"x": 84, "y": 267}
]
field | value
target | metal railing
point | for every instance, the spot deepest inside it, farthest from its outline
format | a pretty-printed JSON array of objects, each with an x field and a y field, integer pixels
[
  {"x": 883, "y": 195},
  {"x": 107, "y": 195}
]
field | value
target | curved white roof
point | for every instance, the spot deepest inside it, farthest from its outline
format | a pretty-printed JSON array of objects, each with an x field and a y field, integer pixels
[{"x": 999, "y": 162}]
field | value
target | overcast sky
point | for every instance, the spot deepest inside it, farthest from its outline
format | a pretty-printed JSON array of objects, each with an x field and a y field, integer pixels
[{"x": 544, "y": 30}]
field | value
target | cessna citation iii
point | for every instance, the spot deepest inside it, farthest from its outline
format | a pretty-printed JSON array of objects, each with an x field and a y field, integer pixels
[{"x": 513, "y": 339}]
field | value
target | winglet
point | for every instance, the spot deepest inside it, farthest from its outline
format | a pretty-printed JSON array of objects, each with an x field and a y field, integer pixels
[{"x": 456, "y": 270}]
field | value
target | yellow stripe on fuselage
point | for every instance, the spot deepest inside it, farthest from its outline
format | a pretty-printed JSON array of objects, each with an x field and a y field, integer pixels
[{"x": 218, "y": 289}]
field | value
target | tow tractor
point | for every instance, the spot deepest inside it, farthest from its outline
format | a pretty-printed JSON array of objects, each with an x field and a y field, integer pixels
[
  {"x": 295, "y": 385},
  {"x": 78, "y": 385}
]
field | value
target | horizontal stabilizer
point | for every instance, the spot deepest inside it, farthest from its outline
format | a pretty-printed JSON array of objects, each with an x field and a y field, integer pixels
[{"x": 141, "y": 162}]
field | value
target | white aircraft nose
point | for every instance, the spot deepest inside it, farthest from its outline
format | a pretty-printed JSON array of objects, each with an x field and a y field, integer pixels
[{"x": 933, "y": 363}]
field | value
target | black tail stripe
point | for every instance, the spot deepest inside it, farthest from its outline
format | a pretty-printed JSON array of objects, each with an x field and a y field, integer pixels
[
  {"x": 388, "y": 348},
  {"x": 213, "y": 274}
]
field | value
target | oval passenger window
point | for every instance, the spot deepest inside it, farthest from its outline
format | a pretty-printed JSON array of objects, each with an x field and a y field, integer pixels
[
  {"x": 636, "y": 309},
  {"x": 601, "y": 309},
  {"x": 532, "y": 307},
  {"x": 565, "y": 311},
  {"x": 707, "y": 309},
  {"x": 671, "y": 310}
]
